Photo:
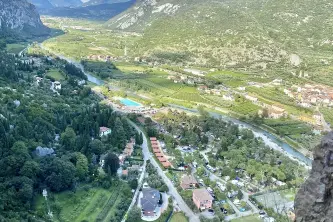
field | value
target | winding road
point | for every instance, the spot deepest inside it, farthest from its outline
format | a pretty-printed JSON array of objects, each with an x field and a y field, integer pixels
[{"x": 172, "y": 190}]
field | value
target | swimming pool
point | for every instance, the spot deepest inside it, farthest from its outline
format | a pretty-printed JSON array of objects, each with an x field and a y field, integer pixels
[{"x": 128, "y": 102}]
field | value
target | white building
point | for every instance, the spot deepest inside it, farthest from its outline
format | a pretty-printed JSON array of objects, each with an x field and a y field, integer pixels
[{"x": 57, "y": 85}]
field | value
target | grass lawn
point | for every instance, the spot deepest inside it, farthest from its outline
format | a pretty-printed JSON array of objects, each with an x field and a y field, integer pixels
[
  {"x": 15, "y": 48},
  {"x": 84, "y": 204},
  {"x": 253, "y": 218},
  {"x": 179, "y": 217},
  {"x": 55, "y": 74}
]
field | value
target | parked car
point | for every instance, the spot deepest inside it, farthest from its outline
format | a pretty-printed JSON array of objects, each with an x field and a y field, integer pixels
[
  {"x": 211, "y": 211},
  {"x": 242, "y": 209}
]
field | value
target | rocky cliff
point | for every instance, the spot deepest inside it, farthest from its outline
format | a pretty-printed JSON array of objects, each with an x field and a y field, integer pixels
[
  {"x": 314, "y": 200},
  {"x": 20, "y": 17}
]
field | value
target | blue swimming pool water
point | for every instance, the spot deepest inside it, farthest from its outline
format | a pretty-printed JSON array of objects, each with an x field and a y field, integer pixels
[{"x": 128, "y": 102}]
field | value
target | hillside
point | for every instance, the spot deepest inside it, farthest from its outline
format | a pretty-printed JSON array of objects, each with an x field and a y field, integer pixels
[
  {"x": 20, "y": 18},
  {"x": 94, "y": 12},
  {"x": 65, "y": 3},
  {"x": 238, "y": 33}
]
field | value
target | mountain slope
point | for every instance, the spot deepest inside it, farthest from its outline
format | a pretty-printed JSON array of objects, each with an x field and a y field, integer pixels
[
  {"x": 257, "y": 33},
  {"x": 94, "y": 12},
  {"x": 20, "y": 17}
]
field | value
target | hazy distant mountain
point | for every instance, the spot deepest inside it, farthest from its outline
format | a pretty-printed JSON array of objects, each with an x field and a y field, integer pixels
[
  {"x": 41, "y": 4},
  {"x": 20, "y": 17},
  {"x": 95, "y": 12},
  {"x": 65, "y": 3},
  {"x": 99, "y": 2}
]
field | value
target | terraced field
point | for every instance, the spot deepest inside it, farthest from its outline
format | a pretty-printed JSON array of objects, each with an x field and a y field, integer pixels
[{"x": 328, "y": 114}]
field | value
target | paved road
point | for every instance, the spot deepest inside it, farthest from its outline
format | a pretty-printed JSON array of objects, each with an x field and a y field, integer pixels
[
  {"x": 172, "y": 190},
  {"x": 137, "y": 191}
]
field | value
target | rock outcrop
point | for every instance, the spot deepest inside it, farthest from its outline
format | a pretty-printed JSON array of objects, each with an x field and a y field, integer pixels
[
  {"x": 314, "y": 200},
  {"x": 21, "y": 17}
]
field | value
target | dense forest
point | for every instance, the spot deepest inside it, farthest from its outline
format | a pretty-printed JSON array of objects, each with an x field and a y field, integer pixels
[{"x": 65, "y": 125}]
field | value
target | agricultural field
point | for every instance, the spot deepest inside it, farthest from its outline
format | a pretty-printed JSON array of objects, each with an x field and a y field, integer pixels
[
  {"x": 87, "y": 203},
  {"x": 55, "y": 74},
  {"x": 244, "y": 108}
]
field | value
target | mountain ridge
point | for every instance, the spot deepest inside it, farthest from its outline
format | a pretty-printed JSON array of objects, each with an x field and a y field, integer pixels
[{"x": 21, "y": 18}]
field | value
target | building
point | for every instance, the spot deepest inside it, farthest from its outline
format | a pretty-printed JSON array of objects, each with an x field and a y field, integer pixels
[
  {"x": 188, "y": 182},
  {"x": 57, "y": 85},
  {"x": 166, "y": 164},
  {"x": 202, "y": 199},
  {"x": 104, "y": 131},
  {"x": 44, "y": 151},
  {"x": 150, "y": 202}
]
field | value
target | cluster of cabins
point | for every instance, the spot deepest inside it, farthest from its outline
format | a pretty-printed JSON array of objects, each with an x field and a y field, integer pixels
[
  {"x": 158, "y": 153},
  {"x": 127, "y": 151}
]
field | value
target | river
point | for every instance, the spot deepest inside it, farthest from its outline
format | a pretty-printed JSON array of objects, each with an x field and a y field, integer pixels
[
  {"x": 90, "y": 77},
  {"x": 268, "y": 138}
]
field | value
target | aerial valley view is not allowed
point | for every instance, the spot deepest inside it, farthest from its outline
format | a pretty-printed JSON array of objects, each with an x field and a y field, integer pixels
[{"x": 165, "y": 110}]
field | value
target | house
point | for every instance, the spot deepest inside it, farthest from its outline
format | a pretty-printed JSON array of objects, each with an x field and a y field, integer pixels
[
  {"x": 202, "y": 199},
  {"x": 104, "y": 131},
  {"x": 156, "y": 150},
  {"x": 188, "y": 182},
  {"x": 129, "y": 149},
  {"x": 166, "y": 164},
  {"x": 57, "y": 85},
  {"x": 38, "y": 79},
  {"x": 44, "y": 151},
  {"x": 202, "y": 88},
  {"x": 150, "y": 202},
  {"x": 159, "y": 155},
  {"x": 162, "y": 159}
]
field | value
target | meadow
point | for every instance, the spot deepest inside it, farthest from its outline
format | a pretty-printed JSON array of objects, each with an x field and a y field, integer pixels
[{"x": 86, "y": 204}]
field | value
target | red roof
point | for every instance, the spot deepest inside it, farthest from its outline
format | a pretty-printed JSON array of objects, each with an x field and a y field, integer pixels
[
  {"x": 156, "y": 150},
  {"x": 166, "y": 164},
  {"x": 103, "y": 129},
  {"x": 159, "y": 154},
  {"x": 162, "y": 159}
]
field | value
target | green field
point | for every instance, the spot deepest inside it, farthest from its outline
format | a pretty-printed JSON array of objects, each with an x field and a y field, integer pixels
[
  {"x": 15, "y": 48},
  {"x": 328, "y": 115},
  {"x": 86, "y": 203},
  {"x": 55, "y": 74},
  {"x": 253, "y": 218},
  {"x": 178, "y": 217}
]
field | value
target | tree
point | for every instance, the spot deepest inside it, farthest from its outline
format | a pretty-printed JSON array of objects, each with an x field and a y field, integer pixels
[
  {"x": 111, "y": 163},
  {"x": 133, "y": 184},
  {"x": 68, "y": 138},
  {"x": 134, "y": 215},
  {"x": 58, "y": 173},
  {"x": 97, "y": 147},
  {"x": 81, "y": 165},
  {"x": 240, "y": 195}
]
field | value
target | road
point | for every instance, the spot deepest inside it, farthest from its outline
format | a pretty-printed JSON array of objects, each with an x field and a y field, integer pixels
[
  {"x": 172, "y": 190},
  {"x": 140, "y": 181}
]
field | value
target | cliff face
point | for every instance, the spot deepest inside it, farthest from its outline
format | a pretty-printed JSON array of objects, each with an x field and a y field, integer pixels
[
  {"x": 20, "y": 17},
  {"x": 314, "y": 200}
]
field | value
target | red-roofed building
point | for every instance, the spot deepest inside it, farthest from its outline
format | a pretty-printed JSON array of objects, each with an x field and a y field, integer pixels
[
  {"x": 104, "y": 131},
  {"x": 166, "y": 164},
  {"x": 155, "y": 146},
  {"x": 159, "y": 154},
  {"x": 157, "y": 150},
  {"x": 162, "y": 159}
]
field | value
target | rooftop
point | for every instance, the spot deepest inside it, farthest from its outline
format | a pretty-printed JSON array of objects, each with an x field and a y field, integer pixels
[
  {"x": 202, "y": 194},
  {"x": 103, "y": 129},
  {"x": 150, "y": 199}
]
